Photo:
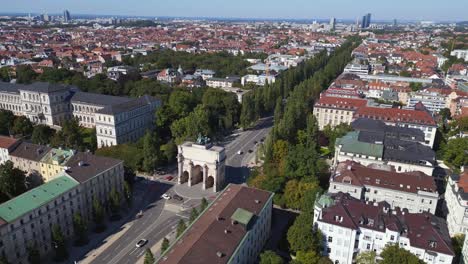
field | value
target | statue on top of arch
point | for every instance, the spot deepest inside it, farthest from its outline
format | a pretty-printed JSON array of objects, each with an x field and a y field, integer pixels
[{"x": 203, "y": 140}]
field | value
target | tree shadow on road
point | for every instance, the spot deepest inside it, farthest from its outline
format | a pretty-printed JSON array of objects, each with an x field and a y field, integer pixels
[{"x": 237, "y": 175}]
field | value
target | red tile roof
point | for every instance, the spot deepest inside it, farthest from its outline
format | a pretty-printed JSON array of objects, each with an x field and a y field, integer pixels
[
  {"x": 361, "y": 175},
  {"x": 207, "y": 236},
  {"x": 7, "y": 142},
  {"x": 396, "y": 115},
  {"x": 341, "y": 103},
  {"x": 420, "y": 228}
]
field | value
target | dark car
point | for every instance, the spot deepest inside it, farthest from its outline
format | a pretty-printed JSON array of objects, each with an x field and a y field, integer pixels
[
  {"x": 250, "y": 151},
  {"x": 255, "y": 142},
  {"x": 177, "y": 197}
]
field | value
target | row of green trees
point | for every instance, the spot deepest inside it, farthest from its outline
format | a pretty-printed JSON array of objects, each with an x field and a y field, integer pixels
[
  {"x": 185, "y": 116},
  {"x": 70, "y": 136},
  {"x": 450, "y": 146},
  {"x": 292, "y": 165},
  {"x": 223, "y": 63}
]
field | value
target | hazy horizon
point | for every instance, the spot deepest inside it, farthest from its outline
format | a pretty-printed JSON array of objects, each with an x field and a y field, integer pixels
[{"x": 259, "y": 9}]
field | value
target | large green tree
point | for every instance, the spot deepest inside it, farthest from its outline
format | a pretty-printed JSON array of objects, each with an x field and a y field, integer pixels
[
  {"x": 164, "y": 245},
  {"x": 58, "y": 243},
  {"x": 392, "y": 254},
  {"x": 34, "y": 256},
  {"x": 300, "y": 235},
  {"x": 193, "y": 215},
  {"x": 25, "y": 74},
  {"x": 98, "y": 215},
  {"x": 12, "y": 181},
  {"x": 181, "y": 226},
  {"x": 6, "y": 122},
  {"x": 366, "y": 257},
  {"x": 455, "y": 152},
  {"x": 151, "y": 152},
  {"x": 22, "y": 126},
  {"x": 189, "y": 127},
  {"x": 307, "y": 257},
  {"x": 457, "y": 244},
  {"x": 295, "y": 193},
  {"x": 69, "y": 136},
  {"x": 149, "y": 257},
  {"x": 80, "y": 229},
  {"x": 42, "y": 134},
  {"x": 114, "y": 201},
  {"x": 270, "y": 257}
]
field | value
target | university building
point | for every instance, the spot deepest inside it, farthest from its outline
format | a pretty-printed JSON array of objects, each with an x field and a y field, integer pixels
[
  {"x": 117, "y": 119},
  {"x": 27, "y": 220}
]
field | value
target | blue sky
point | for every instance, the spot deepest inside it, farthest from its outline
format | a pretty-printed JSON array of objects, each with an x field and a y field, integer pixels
[{"x": 308, "y": 9}]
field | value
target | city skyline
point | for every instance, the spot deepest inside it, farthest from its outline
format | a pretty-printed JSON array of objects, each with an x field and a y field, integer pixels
[{"x": 296, "y": 9}]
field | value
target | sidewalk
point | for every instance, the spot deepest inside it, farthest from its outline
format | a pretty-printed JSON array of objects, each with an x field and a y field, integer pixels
[
  {"x": 99, "y": 242},
  {"x": 156, "y": 248},
  {"x": 88, "y": 258}
]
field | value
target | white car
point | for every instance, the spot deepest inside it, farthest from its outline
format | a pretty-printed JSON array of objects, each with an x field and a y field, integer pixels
[
  {"x": 239, "y": 152},
  {"x": 166, "y": 196},
  {"x": 141, "y": 243}
]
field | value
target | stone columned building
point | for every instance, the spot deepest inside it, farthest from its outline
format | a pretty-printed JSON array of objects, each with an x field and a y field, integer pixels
[{"x": 203, "y": 163}]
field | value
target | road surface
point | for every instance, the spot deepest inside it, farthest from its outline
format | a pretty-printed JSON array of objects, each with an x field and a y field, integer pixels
[
  {"x": 236, "y": 164},
  {"x": 157, "y": 222}
]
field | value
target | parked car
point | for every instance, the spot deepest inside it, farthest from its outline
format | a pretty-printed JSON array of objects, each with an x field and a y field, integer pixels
[
  {"x": 177, "y": 197},
  {"x": 255, "y": 142},
  {"x": 141, "y": 243},
  {"x": 239, "y": 152},
  {"x": 169, "y": 178},
  {"x": 166, "y": 196},
  {"x": 250, "y": 151}
]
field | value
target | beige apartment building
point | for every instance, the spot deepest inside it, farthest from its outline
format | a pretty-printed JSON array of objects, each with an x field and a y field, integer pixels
[
  {"x": 28, "y": 219},
  {"x": 330, "y": 110}
]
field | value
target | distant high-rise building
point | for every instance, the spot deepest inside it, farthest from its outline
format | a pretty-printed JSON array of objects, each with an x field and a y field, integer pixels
[
  {"x": 66, "y": 16},
  {"x": 366, "y": 20},
  {"x": 332, "y": 23},
  {"x": 45, "y": 17},
  {"x": 394, "y": 22}
]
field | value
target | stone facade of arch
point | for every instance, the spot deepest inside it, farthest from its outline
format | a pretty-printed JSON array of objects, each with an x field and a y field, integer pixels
[{"x": 211, "y": 160}]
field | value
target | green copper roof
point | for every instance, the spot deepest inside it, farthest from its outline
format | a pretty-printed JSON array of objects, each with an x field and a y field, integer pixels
[
  {"x": 57, "y": 156},
  {"x": 325, "y": 201},
  {"x": 36, "y": 197},
  {"x": 350, "y": 144},
  {"x": 242, "y": 216}
]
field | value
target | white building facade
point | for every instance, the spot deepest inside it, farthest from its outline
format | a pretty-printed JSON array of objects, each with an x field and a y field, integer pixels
[
  {"x": 416, "y": 192},
  {"x": 125, "y": 122},
  {"x": 371, "y": 227}
]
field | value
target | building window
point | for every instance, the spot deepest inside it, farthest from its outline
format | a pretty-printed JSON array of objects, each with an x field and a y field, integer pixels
[{"x": 330, "y": 239}]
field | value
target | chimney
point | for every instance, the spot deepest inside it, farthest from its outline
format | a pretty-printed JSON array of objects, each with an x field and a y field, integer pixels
[
  {"x": 349, "y": 167},
  {"x": 257, "y": 201},
  {"x": 81, "y": 163},
  {"x": 219, "y": 254}
]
